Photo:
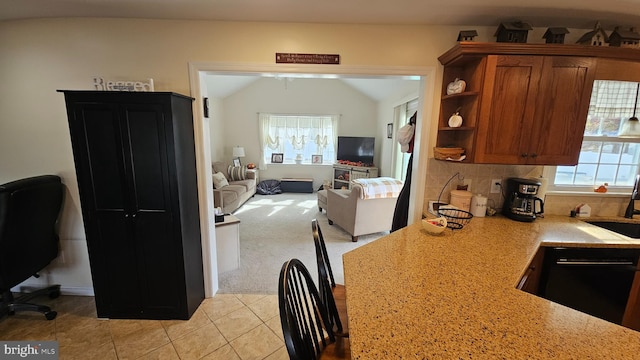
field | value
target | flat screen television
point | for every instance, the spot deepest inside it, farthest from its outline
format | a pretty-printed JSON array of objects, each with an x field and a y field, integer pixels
[{"x": 356, "y": 149}]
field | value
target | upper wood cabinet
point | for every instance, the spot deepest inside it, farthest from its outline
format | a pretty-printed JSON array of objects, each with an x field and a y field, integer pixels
[
  {"x": 534, "y": 109},
  {"x": 524, "y": 103}
]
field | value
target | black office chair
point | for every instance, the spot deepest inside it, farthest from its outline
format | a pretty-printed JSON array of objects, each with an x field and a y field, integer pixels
[
  {"x": 304, "y": 317},
  {"x": 29, "y": 210},
  {"x": 332, "y": 294}
]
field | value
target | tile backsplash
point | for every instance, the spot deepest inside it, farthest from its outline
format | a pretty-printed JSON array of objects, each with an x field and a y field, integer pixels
[
  {"x": 480, "y": 175},
  {"x": 600, "y": 205}
]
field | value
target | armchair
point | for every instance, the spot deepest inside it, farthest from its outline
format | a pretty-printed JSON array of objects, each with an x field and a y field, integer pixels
[
  {"x": 363, "y": 209},
  {"x": 29, "y": 210}
]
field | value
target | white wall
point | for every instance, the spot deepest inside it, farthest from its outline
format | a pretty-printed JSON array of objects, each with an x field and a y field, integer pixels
[
  {"x": 216, "y": 128},
  {"x": 299, "y": 96},
  {"x": 221, "y": 149}
]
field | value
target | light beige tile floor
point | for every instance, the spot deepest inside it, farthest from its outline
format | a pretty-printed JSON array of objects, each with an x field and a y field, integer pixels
[{"x": 225, "y": 327}]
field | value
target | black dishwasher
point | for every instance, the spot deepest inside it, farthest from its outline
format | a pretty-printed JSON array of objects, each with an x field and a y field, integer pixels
[{"x": 594, "y": 281}]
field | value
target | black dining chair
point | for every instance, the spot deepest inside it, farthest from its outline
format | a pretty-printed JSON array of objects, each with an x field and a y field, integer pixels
[
  {"x": 332, "y": 294},
  {"x": 304, "y": 317}
]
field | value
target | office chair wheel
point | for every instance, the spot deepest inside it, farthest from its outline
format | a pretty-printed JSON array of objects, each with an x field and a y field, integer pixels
[
  {"x": 50, "y": 315},
  {"x": 54, "y": 294}
]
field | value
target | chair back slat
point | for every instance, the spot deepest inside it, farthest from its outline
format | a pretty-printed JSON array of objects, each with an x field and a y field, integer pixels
[
  {"x": 303, "y": 316},
  {"x": 321, "y": 251},
  {"x": 325, "y": 279}
]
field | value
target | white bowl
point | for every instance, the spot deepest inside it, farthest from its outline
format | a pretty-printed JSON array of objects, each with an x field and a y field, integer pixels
[{"x": 434, "y": 226}]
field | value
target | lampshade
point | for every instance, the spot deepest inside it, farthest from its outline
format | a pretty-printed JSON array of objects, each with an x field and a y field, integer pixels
[
  {"x": 630, "y": 128},
  {"x": 238, "y": 151}
]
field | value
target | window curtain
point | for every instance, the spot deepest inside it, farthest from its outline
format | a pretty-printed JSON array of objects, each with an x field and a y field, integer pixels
[
  {"x": 266, "y": 141},
  {"x": 611, "y": 101},
  {"x": 297, "y": 134}
]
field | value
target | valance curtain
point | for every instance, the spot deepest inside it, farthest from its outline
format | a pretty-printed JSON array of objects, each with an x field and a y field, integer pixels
[
  {"x": 611, "y": 101},
  {"x": 297, "y": 134}
]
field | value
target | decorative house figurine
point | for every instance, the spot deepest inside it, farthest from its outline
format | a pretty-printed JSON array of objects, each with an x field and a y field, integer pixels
[
  {"x": 624, "y": 38},
  {"x": 596, "y": 37},
  {"x": 555, "y": 35},
  {"x": 467, "y": 35},
  {"x": 513, "y": 32}
]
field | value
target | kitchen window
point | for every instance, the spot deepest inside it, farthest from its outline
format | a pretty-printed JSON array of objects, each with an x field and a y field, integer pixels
[
  {"x": 298, "y": 137},
  {"x": 607, "y": 154}
]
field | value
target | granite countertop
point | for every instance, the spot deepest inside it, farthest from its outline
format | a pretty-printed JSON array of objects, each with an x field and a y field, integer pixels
[{"x": 419, "y": 296}]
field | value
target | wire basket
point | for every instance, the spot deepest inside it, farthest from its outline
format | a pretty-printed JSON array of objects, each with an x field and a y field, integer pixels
[{"x": 456, "y": 219}]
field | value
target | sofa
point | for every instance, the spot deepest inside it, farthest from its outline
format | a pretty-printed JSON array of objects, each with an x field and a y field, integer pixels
[
  {"x": 232, "y": 186},
  {"x": 363, "y": 209}
]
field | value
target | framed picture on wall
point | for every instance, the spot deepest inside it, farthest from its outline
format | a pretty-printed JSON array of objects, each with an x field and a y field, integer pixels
[
  {"x": 276, "y": 158},
  {"x": 316, "y": 159},
  {"x": 389, "y": 130}
]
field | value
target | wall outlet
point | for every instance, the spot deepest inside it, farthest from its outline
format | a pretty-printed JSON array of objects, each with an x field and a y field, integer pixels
[{"x": 496, "y": 186}]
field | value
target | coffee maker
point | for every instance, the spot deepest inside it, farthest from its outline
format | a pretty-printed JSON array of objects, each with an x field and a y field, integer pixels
[{"x": 521, "y": 200}]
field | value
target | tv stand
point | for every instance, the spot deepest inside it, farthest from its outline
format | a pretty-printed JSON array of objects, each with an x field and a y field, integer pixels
[{"x": 343, "y": 174}]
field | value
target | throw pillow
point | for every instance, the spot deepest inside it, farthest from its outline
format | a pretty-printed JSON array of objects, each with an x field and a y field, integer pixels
[
  {"x": 219, "y": 180},
  {"x": 221, "y": 167},
  {"x": 237, "y": 173}
]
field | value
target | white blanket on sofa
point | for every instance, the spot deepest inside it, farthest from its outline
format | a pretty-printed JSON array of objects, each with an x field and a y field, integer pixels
[{"x": 378, "y": 188}]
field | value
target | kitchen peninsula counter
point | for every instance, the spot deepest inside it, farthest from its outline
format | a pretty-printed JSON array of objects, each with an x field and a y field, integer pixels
[{"x": 411, "y": 295}]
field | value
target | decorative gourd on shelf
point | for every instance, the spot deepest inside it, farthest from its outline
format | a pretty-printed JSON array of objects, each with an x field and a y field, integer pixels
[
  {"x": 456, "y": 86},
  {"x": 455, "y": 120}
]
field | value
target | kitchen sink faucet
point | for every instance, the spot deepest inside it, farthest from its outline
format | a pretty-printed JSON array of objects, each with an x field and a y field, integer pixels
[{"x": 631, "y": 210}]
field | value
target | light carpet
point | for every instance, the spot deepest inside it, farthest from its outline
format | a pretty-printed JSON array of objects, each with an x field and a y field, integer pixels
[{"x": 276, "y": 228}]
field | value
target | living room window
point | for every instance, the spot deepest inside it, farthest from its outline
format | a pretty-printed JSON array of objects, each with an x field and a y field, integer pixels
[
  {"x": 299, "y": 137},
  {"x": 609, "y": 154}
]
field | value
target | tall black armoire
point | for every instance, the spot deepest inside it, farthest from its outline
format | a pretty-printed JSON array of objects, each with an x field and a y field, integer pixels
[{"x": 135, "y": 162}]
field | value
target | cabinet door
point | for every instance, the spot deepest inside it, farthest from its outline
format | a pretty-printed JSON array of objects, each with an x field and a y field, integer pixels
[
  {"x": 508, "y": 103},
  {"x": 530, "y": 281},
  {"x": 150, "y": 207},
  {"x": 561, "y": 110},
  {"x": 98, "y": 143}
]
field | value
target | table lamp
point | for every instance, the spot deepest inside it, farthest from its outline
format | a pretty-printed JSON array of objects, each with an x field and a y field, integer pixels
[{"x": 238, "y": 152}]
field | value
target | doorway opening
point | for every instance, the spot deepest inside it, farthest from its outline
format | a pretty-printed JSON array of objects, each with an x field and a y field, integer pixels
[{"x": 198, "y": 73}]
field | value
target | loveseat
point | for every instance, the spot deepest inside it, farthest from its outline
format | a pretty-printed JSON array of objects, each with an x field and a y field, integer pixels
[{"x": 232, "y": 186}]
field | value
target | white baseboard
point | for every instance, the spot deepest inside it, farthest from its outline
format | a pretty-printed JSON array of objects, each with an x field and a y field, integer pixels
[{"x": 78, "y": 291}]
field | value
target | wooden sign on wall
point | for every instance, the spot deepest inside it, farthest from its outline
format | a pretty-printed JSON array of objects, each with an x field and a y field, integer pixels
[{"x": 295, "y": 58}]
